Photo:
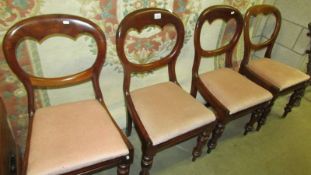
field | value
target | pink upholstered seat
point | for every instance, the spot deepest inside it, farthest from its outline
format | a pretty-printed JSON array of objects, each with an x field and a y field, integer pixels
[
  {"x": 72, "y": 136},
  {"x": 234, "y": 90},
  {"x": 275, "y": 73},
  {"x": 167, "y": 111}
]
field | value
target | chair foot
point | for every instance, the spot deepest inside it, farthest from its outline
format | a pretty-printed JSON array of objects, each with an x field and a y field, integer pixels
[
  {"x": 294, "y": 99},
  {"x": 146, "y": 164},
  {"x": 217, "y": 132},
  {"x": 123, "y": 169},
  {"x": 129, "y": 123},
  {"x": 201, "y": 141}
]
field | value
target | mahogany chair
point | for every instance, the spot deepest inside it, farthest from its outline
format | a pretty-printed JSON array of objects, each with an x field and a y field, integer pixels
[
  {"x": 9, "y": 153},
  {"x": 274, "y": 76},
  {"x": 73, "y": 138},
  {"x": 164, "y": 114},
  {"x": 230, "y": 94}
]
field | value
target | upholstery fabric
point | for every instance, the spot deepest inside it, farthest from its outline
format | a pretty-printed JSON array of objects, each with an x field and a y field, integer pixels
[
  {"x": 234, "y": 90},
  {"x": 72, "y": 136},
  {"x": 276, "y": 74},
  {"x": 167, "y": 111}
]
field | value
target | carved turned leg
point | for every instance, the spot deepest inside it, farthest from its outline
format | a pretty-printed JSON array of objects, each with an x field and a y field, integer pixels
[
  {"x": 201, "y": 141},
  {"x": 146, "y": 164},
  {"x": 250, "y": 125},
  {"x": 261, "y": 120},
  {"x": 123, "y": 169},
  {"x": 129, "y": 123},
  {"x": 217, "y": 132},
  {"x": 294, "y": 99}
]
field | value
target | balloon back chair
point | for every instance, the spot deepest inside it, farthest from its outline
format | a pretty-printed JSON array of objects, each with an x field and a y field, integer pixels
[
  {"x": 163, "y": 113},
  {"x": 230, "y": 94},
  {"x": 274, "y": 76},
  {"x": 72, "y": 138}
]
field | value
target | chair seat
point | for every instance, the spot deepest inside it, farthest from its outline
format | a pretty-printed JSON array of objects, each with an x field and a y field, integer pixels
[
  {"x": 167, "y": 111},
  {"x": 72, "y": 136},
  {"x": 234, "y": 90},
  {"x": 276, "y": 74}
]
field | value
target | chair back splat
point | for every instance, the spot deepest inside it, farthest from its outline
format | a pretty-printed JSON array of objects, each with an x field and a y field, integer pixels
[
  {"x": 249, "y": 46},
  {"x": 140, "y": 20},
  {"x": 39, "y": 28},
  {"x": 225, "y": 13}
]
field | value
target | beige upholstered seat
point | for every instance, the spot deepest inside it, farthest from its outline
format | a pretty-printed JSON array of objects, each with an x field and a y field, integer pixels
[
  {"x": 234, "y": 90},
  {"x": 167, "y": 111},
  {"x": 275, "y": 73},
  {"x": 71, "y": 136}
]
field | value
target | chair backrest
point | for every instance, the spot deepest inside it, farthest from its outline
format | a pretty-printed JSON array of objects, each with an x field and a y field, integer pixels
[
  {"x": 249, "y": 46},
  {"x": 225, "y": 13},
  {"x": 39, "y": 28},
  {"x": 138, "y": 20}
]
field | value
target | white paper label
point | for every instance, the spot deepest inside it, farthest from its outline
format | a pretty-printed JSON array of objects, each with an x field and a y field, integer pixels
[
  {"x": 66, "y": 22},
  {"x": 157, "y": 16}
]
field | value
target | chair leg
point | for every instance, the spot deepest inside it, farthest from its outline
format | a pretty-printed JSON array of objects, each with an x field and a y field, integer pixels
[
  {"x": 201, "y": 141},
  {"x": 250, "y": 125},
  {"x": 146, "y": 164},
  {"x": 261, "y": 120},
  {"x": 217, "y": 132},
  {"x": 123, "y": 169},
  {"x": 129, "y": 123},
  {"x": 294, "y": 99}
]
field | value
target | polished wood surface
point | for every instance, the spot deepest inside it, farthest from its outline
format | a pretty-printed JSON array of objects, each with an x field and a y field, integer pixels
[
  {"x": 297, "y": 90},
  {"x": 39, "y": 28},
  {"x": 209, "y": 15},
  {"x": 9, "y": 153},
  {"x": 138, "y": 20}
]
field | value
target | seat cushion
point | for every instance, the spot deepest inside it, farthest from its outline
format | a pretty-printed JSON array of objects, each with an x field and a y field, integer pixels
[
  {"x": 167, "y": 111},
  {"x": 276, "y": 74},
  {"x": 234, "y": 90},
  {"x": 72, "y": 136}
]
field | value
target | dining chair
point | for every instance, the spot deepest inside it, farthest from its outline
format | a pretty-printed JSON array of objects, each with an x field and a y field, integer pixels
[
  {"x": 163, "y": 113},
  {"x": 273, "y": 75},
  {"x": 73, "y": 138},
  {"x": 229, "y": 93}
]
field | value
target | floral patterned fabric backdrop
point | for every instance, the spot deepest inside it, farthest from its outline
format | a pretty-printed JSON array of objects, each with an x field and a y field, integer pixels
[{"x": 53, "y": 57}]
